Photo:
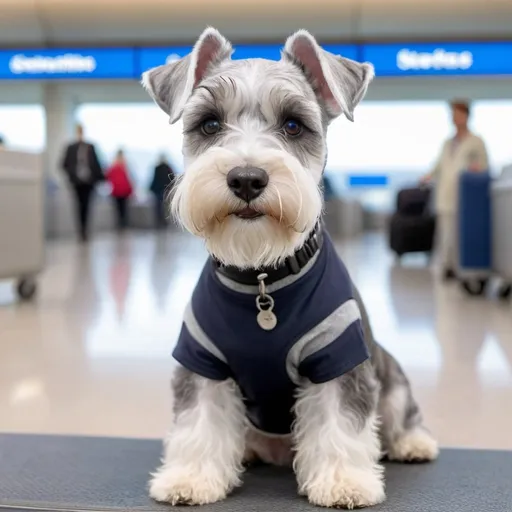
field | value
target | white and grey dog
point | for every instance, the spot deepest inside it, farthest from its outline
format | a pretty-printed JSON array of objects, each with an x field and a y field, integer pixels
[{"x": 255, "y": 150}]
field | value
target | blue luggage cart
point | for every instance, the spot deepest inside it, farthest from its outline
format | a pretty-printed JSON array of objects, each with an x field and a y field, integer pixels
[
  {"x": 476, "y": 234},
  {"x": 475, "y": 231}
]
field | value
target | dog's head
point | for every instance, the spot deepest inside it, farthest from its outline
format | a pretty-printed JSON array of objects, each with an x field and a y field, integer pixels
[{"x": 254, "y": 141}]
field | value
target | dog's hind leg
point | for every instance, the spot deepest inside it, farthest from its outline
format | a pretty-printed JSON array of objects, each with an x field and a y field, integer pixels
[
  {"x": 205, "y": 446},
  {"x": 403, "y": 435}
]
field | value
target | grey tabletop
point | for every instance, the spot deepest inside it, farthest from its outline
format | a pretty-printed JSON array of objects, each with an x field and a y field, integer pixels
[{"x": 54, "y": 473}]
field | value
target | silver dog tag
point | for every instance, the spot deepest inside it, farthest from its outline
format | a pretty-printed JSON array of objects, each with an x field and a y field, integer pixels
[
  {"x": 265, "y": 304},
  {"x": 266, "y": 319}
]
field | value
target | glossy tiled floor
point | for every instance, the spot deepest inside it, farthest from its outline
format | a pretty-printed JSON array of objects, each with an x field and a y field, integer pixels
[{"x": 92, "y": 355}]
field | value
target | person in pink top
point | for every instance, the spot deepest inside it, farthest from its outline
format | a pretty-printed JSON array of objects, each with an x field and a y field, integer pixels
[{"x": 119, "y": 179}]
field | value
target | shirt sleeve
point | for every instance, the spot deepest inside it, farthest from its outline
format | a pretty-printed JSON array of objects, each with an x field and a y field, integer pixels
[
  {"x": 436, "y": 170},
  {"x": 342, "y": 352},
  {"x": 194, "y": 356},
  {"x": 482, "y": 157}
]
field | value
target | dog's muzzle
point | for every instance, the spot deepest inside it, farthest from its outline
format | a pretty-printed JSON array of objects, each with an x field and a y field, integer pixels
[{"x": 247, "y": 183}]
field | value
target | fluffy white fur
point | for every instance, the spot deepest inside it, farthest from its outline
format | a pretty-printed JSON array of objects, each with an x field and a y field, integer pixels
[
  {"x": 405, "y": 445},
  {"x": 336, "y": 463},
  {"x": 204, "y": 448},
  {"x": 414, "y": 445},
  {"x": 291, "y": 203}
]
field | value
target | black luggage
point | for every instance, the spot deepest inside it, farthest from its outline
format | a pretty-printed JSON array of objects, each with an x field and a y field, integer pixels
[
  {"x": 412, "y": 227},
  {"x": 413, "y": 202}
]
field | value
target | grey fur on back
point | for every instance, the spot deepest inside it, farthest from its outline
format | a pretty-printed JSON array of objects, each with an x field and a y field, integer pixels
[{"x": 390, "y": 376}]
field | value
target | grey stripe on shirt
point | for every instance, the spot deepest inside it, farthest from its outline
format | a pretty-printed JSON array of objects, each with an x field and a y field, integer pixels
[
  {"x": 199, "y": 335},
  {"x": 327, "y": 331}
]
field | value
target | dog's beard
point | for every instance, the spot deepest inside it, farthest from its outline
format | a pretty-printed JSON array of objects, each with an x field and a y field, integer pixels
[{"x": 290, "y": 207}]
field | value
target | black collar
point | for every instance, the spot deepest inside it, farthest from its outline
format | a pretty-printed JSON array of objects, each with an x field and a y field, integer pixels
[{"x": 291, "y": 265}]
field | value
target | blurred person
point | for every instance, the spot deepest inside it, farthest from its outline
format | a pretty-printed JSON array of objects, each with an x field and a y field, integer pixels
[
  {"x": 163, "y": 179},
  {"x": 119, "y": 178},
  {"x": 2, "y": 143},
  {"x": 84, "y": 171},
  {"x": 464, "y": 151}
]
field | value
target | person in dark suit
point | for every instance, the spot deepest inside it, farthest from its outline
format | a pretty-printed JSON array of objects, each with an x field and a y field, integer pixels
[
  {"x": 163, "y": 179},
  {"x": 83, "y": 170}
]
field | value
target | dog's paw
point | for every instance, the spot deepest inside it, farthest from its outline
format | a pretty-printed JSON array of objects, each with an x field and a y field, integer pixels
[
  {"x": 417, "y": 445},
  {"x": 171, "y": 486},
  {"x": 351, "y": 489}
]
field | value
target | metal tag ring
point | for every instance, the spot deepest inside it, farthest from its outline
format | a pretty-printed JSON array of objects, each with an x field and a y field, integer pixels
[{"x": 264, "y": 298}]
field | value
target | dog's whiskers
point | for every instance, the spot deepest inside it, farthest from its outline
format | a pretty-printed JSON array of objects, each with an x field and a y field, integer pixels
[
  {"x": 280, "y": 205},
  {"x": 300, "y": 209}
]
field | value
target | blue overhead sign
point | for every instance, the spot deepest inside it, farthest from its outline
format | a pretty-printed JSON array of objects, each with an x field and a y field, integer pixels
[
  {"x": 349, "y": 51},
  {"x": 441, "y": 59},
  {"x": 72, "y": 63},
  {"x": 148, "y": 58},
  {"x": 425, "y": 59},
  {"x": 367, "y": 180},
  {"x": 151, "y": 57}
]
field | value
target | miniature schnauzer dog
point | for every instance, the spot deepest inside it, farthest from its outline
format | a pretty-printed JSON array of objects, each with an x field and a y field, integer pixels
[{"x": 277, "y": 360}]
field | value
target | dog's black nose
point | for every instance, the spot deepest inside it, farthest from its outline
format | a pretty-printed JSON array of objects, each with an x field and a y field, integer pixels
[{"x": 247, "y": 183}]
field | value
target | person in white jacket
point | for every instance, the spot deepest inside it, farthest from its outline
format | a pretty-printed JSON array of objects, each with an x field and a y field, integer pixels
[{"x": 465, "y": 151}]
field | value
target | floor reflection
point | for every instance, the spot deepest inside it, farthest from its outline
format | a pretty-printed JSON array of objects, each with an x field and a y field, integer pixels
[{"x": 92, "y": 355}]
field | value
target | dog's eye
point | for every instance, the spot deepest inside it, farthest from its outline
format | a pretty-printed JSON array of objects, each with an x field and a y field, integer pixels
[
  {"x": 210, "y": 126},
  {"x": 293, "y": 127}
]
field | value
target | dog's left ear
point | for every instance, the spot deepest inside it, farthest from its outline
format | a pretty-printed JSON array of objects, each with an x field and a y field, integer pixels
[
  {"x": 172, "y": 84},
  {"x": 340, "y": 83}
]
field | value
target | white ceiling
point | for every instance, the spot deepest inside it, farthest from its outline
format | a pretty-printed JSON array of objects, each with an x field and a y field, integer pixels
[{"x": 134, "y": 22}]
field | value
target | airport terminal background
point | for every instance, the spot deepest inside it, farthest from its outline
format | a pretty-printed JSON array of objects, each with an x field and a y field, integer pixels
[
  {"x": 404, "y": 119},
  {"x": 405, "y": 137},
  {"x": 91, "y": 354}
]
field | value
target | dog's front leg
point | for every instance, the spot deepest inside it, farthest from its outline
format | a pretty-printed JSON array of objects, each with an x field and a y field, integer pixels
[
  {"x": 205, "y": 446},
  {"x": 336, "y": 441}
]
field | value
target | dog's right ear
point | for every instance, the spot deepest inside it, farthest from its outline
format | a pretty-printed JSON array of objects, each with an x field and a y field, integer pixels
[{"x": 172, "y": 84}]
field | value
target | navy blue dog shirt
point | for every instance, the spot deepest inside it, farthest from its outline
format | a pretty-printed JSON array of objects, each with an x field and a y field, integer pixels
[{"x": 318, "y": 336}]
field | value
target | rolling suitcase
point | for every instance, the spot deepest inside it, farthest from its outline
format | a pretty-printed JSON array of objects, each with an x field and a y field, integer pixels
[
  {"x": 475, "y": 231},
  {"x": 413, "y": 201},
  {"x": 412, "y": 227}
]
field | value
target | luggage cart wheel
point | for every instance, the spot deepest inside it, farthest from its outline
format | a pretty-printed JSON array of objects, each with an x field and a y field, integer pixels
[
  {"x": 505, "y": 291},
  {"x": 27, "y": 288},
  {"x": 475, "y": 287}
]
